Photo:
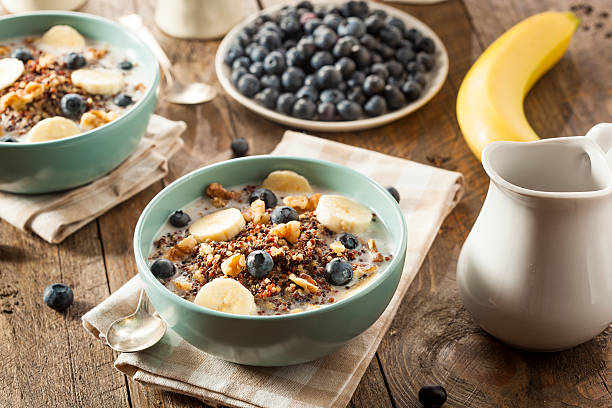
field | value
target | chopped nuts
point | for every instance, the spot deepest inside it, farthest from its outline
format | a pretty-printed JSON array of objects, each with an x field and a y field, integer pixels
[
  {"x": 337, "y": 247},
  {"x": 97, "y": 53},
  {"x": 182, "y": 249},
  {"x": 21, "y": 97},
  {"x": 205, "y": 249},
  {"x": 4, "y": 50},
  {"x": 46, "y": 60},
  {"x": 290, "y": 231},
  {"x": 219, "y": 195},
  {"x": 233, "y": 265},
  {"x": 376, "y": 256},
  {"x": 304, "y": 283},
  {"x": 257, "y": 213},
  {"x": 302, "y": 203},
  {"x": 95, "y": 118},
  {"x": 184, "y": 285}
]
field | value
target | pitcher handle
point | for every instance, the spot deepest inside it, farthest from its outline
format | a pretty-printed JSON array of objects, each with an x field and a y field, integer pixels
[{"x": 602, "y": 135}]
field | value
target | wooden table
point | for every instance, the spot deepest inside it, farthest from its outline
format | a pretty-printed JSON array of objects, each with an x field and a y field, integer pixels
[{"x": 48, "y": 359}]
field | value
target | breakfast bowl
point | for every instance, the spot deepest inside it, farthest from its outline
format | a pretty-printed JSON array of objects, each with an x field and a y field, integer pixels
[
  {"x": 270, "y": 339},
  {"x": 113, "y": 128},
  {"x": 427, "y": 82}
]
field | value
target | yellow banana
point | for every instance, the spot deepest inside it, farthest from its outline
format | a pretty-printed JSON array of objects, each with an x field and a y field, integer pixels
[{"x": 490, "y": 99}]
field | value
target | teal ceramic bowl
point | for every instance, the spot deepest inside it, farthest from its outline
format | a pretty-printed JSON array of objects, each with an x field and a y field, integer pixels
[
  {"x": 272, "y": 340},
  {"x": 57, "y": 165}
]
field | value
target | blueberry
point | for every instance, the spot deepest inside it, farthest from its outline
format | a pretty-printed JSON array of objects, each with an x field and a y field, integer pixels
[
  {"x": 274, "y": 63},
  {"x": 373, "y": 84},
  {"x": 425, "y": 44},
  {"x": 380, "y": 70},
  {"x": 396, "y": 82},
  {"x": 249, "y": 48},
  {"x": 304, "y": 109},
  {"x": 234, "y": 52},
  {"x": 270, "y": 81},
  {"x": 432, "y": 396},
  {"x": 306, "y": 46},
  {"x": 324, "y": 38},
  {"x": 162, "y": 268},
  {"x": 377, "y": 58},
  {"x": 328, "y": 77},
  {"x": 125, "y": 65},
  {"x": 413, "y": 35},
  {"x": 385, "y": 51},
  {"x": 8, "y": 139},
  {"x": 331, "y": 95},
  {"x": 356, "y": 95},
  {"x": 393, "y": 191},
  {"x": 243, "y": 38},
  {"x": 290, "y": 25},
  {"x": 354, "y": 8},
  {"x": 179, "y": 219},
  {"x": 72, "y": 105},
  {"x": 308, "y": 92},
  {"x": 390, "y": 35},
  {"x": 394, "y": 97},
  {"x": 348, "y": 240},
  {"x": 22, "y": 54},
  {"x": 311, "y": 25},
  {"x": 326, "y": 111},
  {"x": 257, "y": 69},
  {"x": 348, "y": 110},
  {"x": 338, "y": 272},
  {"x": 259, "y": 263},
  {"x": 405, "y": 55},
  {"x": 332, "y": 21},
  {"x": 394, "y": 68},
  {"x": 420, "y": 78},
  {"x": 321, "y": 58},
  {"x": 239, "y": 147},
  {"x": 346, "y": 66},
  {"x": 283, "y": 214},
  {"x": 258, "y": 53},
  {"x": 305, "y": 5},
  {"x": 374, "y": 24},
  {"x": 412, "y": 90},
  {"x": 295, "y": 57},
  {"x": 292, "y": 79},
  {"x": 290, "y": 43},
  {"x": 236, "y": 74},
  {"x": 267, "y": 196},
  {"x": 414, "y": 67},
  {"x": 343, "y": 86},
  {"x": 375, "y": 106},
  {"x": 262, "y": 19},
  {"x": 352, "y": 26},
  {"x": 396, "y": 22},
  {"x": 356, "y": 78},
  {"x": 380, "y": 13},
  {"x": 270, "y": 40},
  {"x": 310, "y": 80},
  {"x": 58, "y": 296},
  {"x": 361, "y": 56},
  {"x": 248, "y": 85},
  {"x": 426, "y": 60},
  {"x": 368, "y": 41},
  {"x": 342, "y": 49},
  {"x": 243, "y": 62},
  {"x": 285, "y": 103},
  {"x": 267, "y": 97},
  {"x": 74, "y": 60},
  {"x": 122, "y": 100}
]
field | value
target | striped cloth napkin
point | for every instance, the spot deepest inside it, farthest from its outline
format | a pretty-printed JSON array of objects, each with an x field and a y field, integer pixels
[
  {"x": 55, "y": 216},
  {"x": 428, "y": 194}
]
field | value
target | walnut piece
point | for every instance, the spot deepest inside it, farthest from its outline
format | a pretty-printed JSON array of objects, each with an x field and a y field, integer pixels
[
  {"x": 95, "y": 118},
  {"x": 182, "y": 249},
  {"x": 184, "y": 285},
  {"x": 376, "y": 256},
  {"x": 302, "y": 203},
  {"x": 233, "y": 265},
  {"x": 21, "y": 97},
  {"x": 337, "y": 247},
  {"x": 219, "y": 195},
  {"x": 97, "y": 53},
  {"x": 46, "y": 60},
  {"x": 256, "y": 213},
  {"x": 290, "y": 231},
  {"x": 307, "y": 284}
]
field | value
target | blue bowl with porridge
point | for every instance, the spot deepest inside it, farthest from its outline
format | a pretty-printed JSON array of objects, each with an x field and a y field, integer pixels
[
  {"x": 76, "y": 95},
  {"x": 271, "y": 260}
]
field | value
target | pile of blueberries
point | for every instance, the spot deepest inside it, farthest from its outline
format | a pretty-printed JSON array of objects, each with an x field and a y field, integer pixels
[{"x": 331, "y": 63}]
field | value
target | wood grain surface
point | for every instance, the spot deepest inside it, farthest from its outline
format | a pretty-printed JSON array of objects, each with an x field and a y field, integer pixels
[{"x": 49, "y": 360}]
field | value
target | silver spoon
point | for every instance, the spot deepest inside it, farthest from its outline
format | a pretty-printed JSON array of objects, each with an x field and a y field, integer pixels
[
  {"x": 138, "y": 331},
  {"x": 175, "y": 92}
]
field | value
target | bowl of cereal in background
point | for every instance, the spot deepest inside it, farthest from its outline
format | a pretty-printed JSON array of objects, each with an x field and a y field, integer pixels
[
  {"x": 76, "y": 95},
  {"x": 271, "y": 260}
]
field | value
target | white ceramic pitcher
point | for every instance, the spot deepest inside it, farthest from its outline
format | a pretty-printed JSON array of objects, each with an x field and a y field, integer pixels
[{"x": 536, "y": 269}]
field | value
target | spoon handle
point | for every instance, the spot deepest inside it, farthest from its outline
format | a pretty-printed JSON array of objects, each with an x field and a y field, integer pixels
[{"x": 135, "y": 24}]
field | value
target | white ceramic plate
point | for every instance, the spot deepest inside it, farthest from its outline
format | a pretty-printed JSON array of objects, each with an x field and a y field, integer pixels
[{"x": 435, "y": 78}]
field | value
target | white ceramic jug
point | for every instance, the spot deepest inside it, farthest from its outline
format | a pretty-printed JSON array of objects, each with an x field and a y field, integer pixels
[{"x": 536, "y": 269}]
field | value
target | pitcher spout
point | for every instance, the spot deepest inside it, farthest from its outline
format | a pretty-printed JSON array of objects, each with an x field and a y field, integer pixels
[{"x": 601, "y": 134}]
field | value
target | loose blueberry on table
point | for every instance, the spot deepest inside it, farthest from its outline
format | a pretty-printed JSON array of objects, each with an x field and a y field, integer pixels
[
  {"x": 372, "y": 61},
  {"x": 432, "y": 396},
  {"x": 58, "y": 296},
  {"x": 240, "y": 147}
]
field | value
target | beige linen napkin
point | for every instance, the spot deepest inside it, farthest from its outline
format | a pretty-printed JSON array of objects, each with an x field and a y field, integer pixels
[
  {"x": 428, "y": 194},
  {"x": 55, "y": 216}
]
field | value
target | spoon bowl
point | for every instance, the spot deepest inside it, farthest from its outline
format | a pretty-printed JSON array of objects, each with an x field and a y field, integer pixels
[
  {"x": 138, "y": 331},
  {"x": 189, "y": 94}
]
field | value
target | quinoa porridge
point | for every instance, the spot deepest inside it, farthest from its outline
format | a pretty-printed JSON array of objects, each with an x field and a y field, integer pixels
[
  {"x": 275, "y": 247},
  {"x": 60, "y": 84}
]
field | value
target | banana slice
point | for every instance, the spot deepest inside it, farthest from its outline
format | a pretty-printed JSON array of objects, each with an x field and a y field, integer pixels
[
  {"x": 341, "y": 214},
  {"x": 226, "y": 295},
  {"x": 218, "y": 226},
  {"x": 98, "y": 81},
  {"x": 10, "y": 70},
  {"x": 63, "y": 36},
  {"x": 53, "y": 129},
  {"x": 286, "y": 181}
]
